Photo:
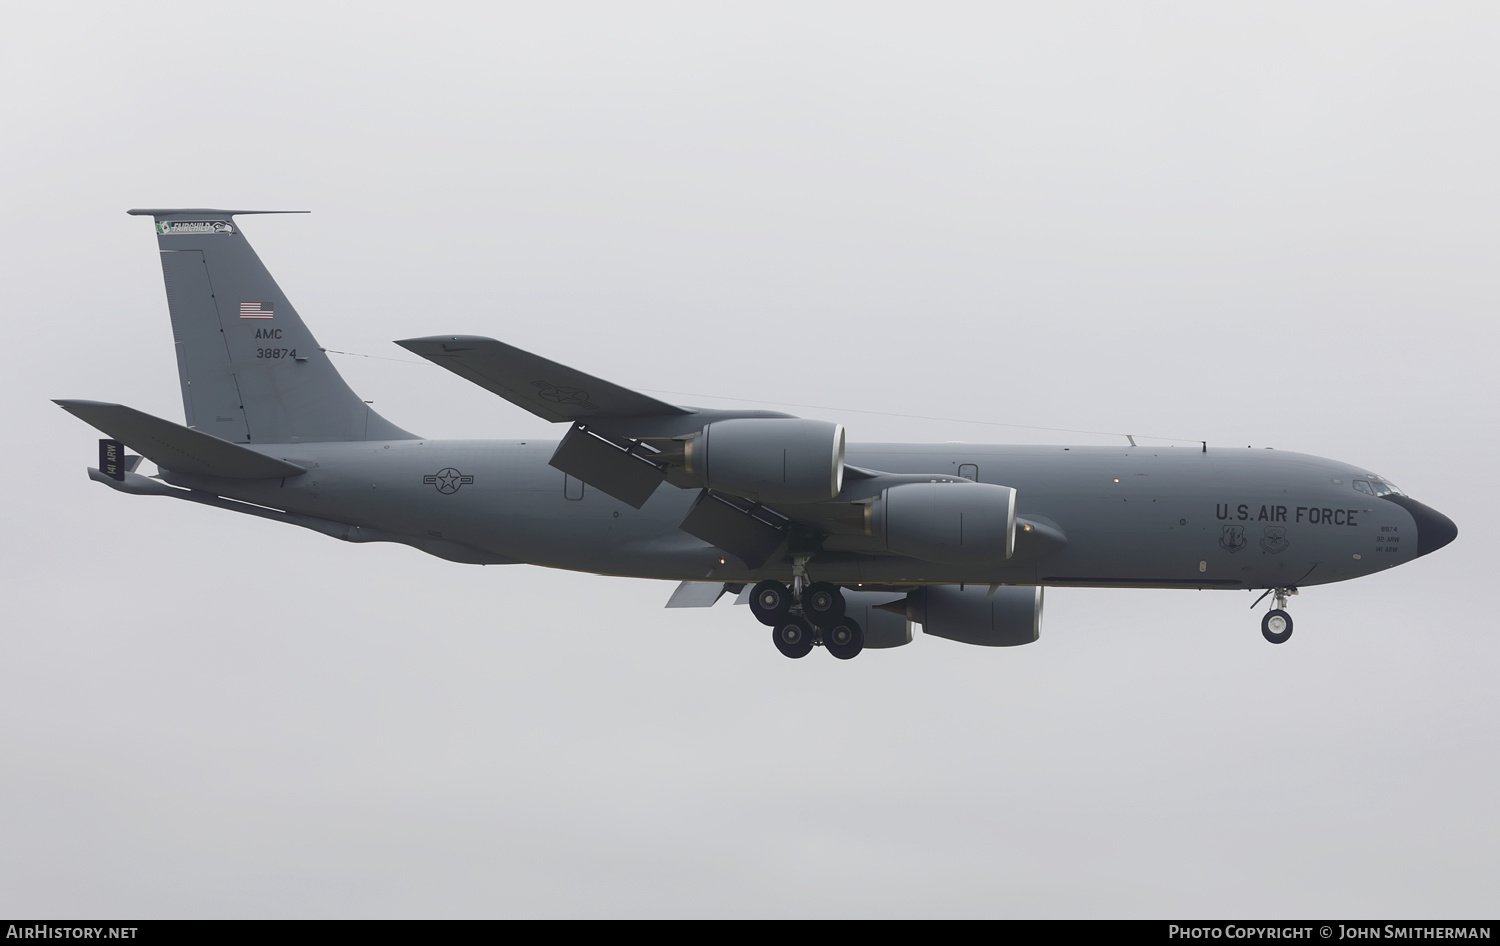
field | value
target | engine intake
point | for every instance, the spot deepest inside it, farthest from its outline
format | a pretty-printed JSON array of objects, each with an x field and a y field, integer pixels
[{"x": 769, "y": 459}]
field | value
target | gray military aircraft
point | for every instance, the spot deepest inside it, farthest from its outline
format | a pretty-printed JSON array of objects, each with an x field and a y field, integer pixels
[{"x": 832, "y": 544}]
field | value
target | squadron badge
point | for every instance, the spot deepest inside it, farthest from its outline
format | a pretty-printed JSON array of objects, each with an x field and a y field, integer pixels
[
  {"x": 1233, "y": 539},
  {"x": 1275, "y": 540}
]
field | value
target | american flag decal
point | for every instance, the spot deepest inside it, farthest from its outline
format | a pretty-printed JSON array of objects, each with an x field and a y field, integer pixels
[{"x": 256, "y": 310}]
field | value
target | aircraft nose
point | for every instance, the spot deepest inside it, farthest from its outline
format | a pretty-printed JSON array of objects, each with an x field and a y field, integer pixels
[{"x": 1434, "y": 530}]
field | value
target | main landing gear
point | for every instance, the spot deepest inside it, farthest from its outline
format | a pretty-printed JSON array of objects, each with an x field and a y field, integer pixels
[
  {"x": 1276, "y": 626},
  {"x": 802, "y": 618}
]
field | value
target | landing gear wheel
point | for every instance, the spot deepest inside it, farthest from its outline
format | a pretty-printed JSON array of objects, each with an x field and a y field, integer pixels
[
  {"x": 792, "y": 637},
  {"x": 844, "y": 639},
  {"x": 822, "y": 603},
  {"x": 769, "y": 601},
  {"x": 1276, "y": 626}
]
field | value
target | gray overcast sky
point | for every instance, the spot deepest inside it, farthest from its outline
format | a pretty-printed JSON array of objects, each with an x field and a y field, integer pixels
[{"x": 1267, "y": 224}]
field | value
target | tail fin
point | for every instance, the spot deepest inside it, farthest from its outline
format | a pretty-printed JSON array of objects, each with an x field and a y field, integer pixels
[{"x": 250, "y": 369}]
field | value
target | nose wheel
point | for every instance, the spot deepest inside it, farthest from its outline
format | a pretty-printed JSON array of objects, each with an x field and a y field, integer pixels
[{"x": 1276, "y": 626}]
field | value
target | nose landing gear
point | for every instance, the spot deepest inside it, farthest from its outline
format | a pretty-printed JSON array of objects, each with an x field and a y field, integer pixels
[{"x": 1276, "y": 626}]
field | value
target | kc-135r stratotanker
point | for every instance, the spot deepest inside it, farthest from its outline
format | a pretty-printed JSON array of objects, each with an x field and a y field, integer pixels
[{"x": 833, "y": 544}]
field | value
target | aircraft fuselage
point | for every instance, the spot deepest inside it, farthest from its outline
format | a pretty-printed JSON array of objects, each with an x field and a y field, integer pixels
[{"x": 1132, "y": 516}]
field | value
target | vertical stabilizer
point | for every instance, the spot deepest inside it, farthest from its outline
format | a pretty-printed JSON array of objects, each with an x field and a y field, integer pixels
[{"x": 251, "y": 371}]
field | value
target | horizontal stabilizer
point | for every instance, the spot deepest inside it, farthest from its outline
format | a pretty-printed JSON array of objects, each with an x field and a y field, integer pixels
[
  {"x": 202, "y": 212},
  {"x": 547, "y": 389},
  {"x": 175, "y": 447}
]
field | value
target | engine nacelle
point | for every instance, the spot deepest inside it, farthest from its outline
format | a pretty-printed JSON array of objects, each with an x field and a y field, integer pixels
[
  {"x": 956, "y": 523},
  {"x": 883, "y": 628},
  {"x": 769, "y": 459},
  {"x": 969, "y": 614}
]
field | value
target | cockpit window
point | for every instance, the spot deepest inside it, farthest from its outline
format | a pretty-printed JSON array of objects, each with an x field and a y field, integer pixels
[
  {"x": 1363, "y": 487},
  {"x": 1381, "y": 487}
]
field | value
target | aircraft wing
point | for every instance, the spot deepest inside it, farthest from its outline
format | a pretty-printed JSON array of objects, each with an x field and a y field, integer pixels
[
  {"x": 621, "y": 442},
  {"x": 764, "y": 477},
  {"x": 552, "y": 391}
]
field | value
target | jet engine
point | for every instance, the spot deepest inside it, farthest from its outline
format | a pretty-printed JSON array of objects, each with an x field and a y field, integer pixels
[
  {"x": 957, "y": 523},
  {"x": 971, "y": 614},
  {"x": 769, "y": 459},
  {"x": 878, "y": 614}
]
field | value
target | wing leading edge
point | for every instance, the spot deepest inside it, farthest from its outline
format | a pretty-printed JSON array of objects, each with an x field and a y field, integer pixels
[{"x": 547, "y": 389}]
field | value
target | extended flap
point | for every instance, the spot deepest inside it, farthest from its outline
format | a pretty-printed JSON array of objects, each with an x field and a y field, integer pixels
[
  {"x": 697, "y": 594},
  {"x": 603, "y": 465}
]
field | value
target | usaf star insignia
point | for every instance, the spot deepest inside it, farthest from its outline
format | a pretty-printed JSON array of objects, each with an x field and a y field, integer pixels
[{"x": 447, "y": 480}]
